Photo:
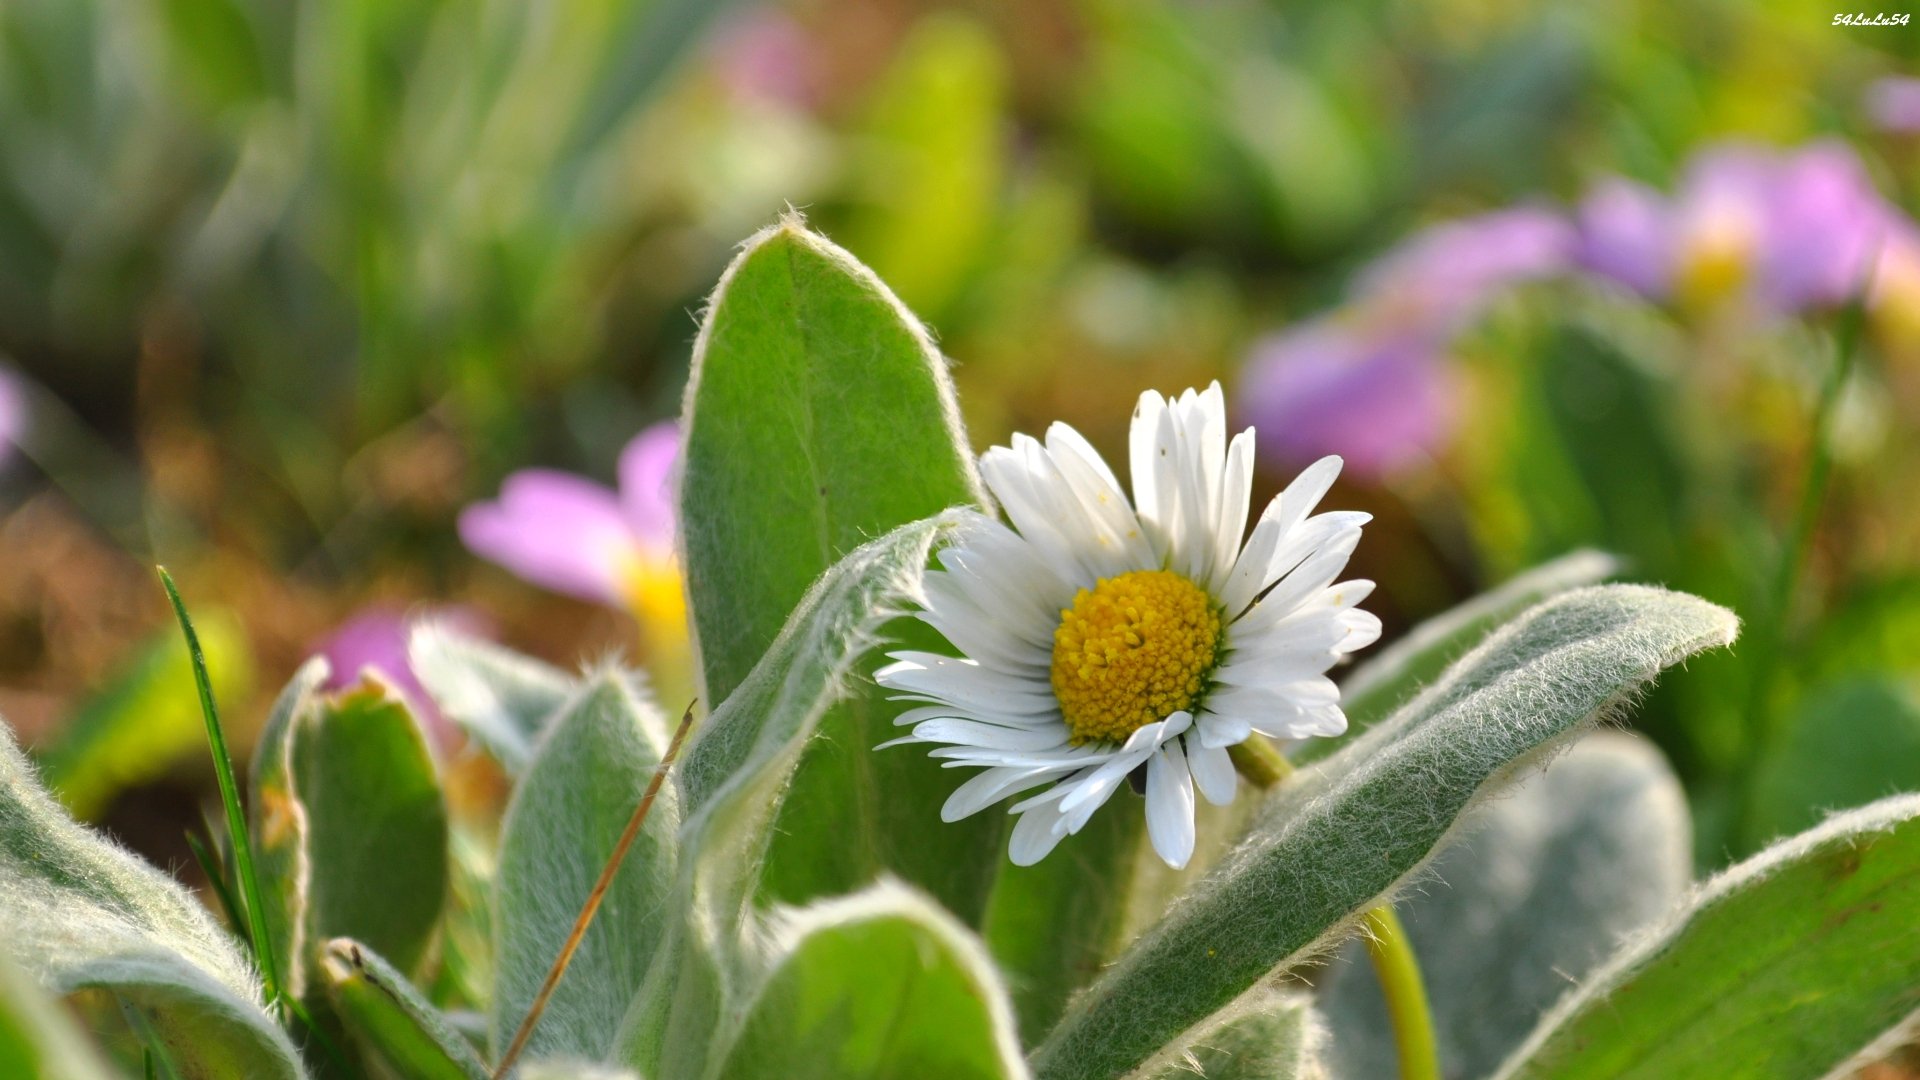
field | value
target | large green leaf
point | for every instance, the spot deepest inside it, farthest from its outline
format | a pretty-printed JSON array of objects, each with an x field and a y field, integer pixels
[
  {"x": 586, "y": 778},
  {"x": 1783, "y": 966},
  {"x": 1383, "y": 681},
  {"x": 349, "y": 824},
  {"x": 500, "y": 697},
  {"x": 732, "y": 778},
  {"x": 1337, "y": 839},
  {"x": 38, "y": 1039},
  {"x": 1051, "y": 925},
  {"x": 875, "y": 986},
  {"x": 820, "y": 415},
  {"x": 390, "y": 1019},
  {"x": 1541, "y": 887},
  {"x": 81, "y": 913},
  {"x": 1265, "y": 1035}
]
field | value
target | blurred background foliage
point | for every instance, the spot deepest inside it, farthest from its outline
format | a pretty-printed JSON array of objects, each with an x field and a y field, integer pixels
[{"x": 284, "y": 286}]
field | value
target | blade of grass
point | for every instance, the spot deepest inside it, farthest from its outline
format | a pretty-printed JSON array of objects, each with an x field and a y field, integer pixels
[
  {"x": 592, "y": 906},
  {"x": 212, "y": 868},
  {"x": 230, "y": 798}
]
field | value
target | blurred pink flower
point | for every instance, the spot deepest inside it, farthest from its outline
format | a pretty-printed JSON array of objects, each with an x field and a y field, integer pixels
[
  {"x": 1893, "y": 104},
  {"x": 764, "y": 56},
  {"x": 574, "y": 536},
  {"x": 13, "y": 413},
  {"x": 1381, "y": 402},
  {"x": 1441, "y": 278},
  {"x": 375, "y": 640},
  {"x": 1778, "y": 231}
]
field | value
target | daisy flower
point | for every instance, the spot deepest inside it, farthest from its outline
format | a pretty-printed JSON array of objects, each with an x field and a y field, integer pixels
[{"x": 1106, "y": 640}]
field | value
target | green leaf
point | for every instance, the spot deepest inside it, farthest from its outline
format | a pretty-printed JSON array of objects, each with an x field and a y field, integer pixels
[
  {"x": 878, "y": 985},
  {"x": 82, "y": 913},
  {"x": 1542, "y": 886},
  {"x": 732, "y": 778},
  {"x": 391, "y": 1020},
  {"x": 350, "y": 825},
  {"x": 1393, "y": 675},
  {"x": 1785, "y": 965},
  {"x": 38, "y": 1039},
  {"x": 1051, "y": 925},
  {"x": 1265, "y": 1035},
  {"x": 587, "y": 775},
  {"x": 820, "y": 415},
  {"x": 502, "y": 698},
  {"x": 1338, "y": 838},
  {"x": 573, "y": 1070},
  {"x": 146, "y": 720},
  {"x": 1848, "y": 742}
]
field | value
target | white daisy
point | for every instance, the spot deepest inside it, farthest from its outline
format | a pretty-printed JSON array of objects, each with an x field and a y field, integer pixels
[{"x": 1104, "y": 637}]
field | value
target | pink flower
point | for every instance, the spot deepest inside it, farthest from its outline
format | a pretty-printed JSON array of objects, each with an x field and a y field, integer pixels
[
  {"x": 375, "y": 641},
  {"x": 1893, "y": 104},
  {"x": 1780, "y": 232},
  {"x": 1440, "y": 279},
  {"x": 578, "y": 537},
  {"x": 1382, "y": 402}
]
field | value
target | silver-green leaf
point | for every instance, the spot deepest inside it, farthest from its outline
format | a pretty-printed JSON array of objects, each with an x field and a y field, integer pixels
[
  {"x": 1785, "y": 965},
  {"x": 587, "y": 775},
  {"x": 81, "y": 913},
  {"x": 501, "y": 698},
  {"x": 1339, "y": 838},
  {"x": 1266, "y": 1034},
  {"x": 820, "y": 415},
  {"x": 880, "y": 985},
  {"x": 1541, "y": 887}
]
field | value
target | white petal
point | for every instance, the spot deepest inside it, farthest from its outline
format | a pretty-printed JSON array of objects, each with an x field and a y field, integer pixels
[
  {"x": 990, "y": 736},
  {"x": 1236, "y": 491},
  {"x": 1034, "y": 835},
  {"x": 1219, "y": 732},
  {"x": 989, "y": 787},
  {"x": 1170, "y": 805},
  {"x": 1212, "y": 770}
]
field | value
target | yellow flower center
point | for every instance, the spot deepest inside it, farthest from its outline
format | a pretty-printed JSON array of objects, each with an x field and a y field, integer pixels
[{"x": 1131, "y": 651}]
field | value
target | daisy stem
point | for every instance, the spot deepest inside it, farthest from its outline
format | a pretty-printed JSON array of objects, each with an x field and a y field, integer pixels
[{"x": 1394, "y": 962}]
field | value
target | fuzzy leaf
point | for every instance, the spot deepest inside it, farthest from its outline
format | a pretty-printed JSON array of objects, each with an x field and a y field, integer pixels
[
  {"x": 1541, "y": 887},
  {"x": 499, "y": 696},
  {"x": 349, "y": 824},
  {"x": 1265, "y": 1035},
  {"x": 878, "y": 985},
  {"x": 819, "y": 416},
  {"x": 38, "y": 1039},
  {"x": 1784, "y": 965},
  {"x": 732, "y": 778},
  {"x": 573, "y": 1070},
  {"x": 1338, "y": 838},
  {"x": 82, "y": 913},
  {"x": 588, "y": 773},
  {"x": 391, "y": 1020},
  {"x": 1393, "y": 675}
]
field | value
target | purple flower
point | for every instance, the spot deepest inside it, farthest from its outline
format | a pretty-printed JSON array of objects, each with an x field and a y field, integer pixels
[
  {"x": 1380, "y": 401},
  {"x": 764, "y": 56},
  {"x": 1893, "y": 104},
  {"x": 375, "y": 640},
  {"x": 13, "y": 413},
  {"x": 578, "y": 537},
  {"x": 1440, "y": 279},
  {"x": 1761, "y": 229},
  {"x": 1624, "y": 235}
]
